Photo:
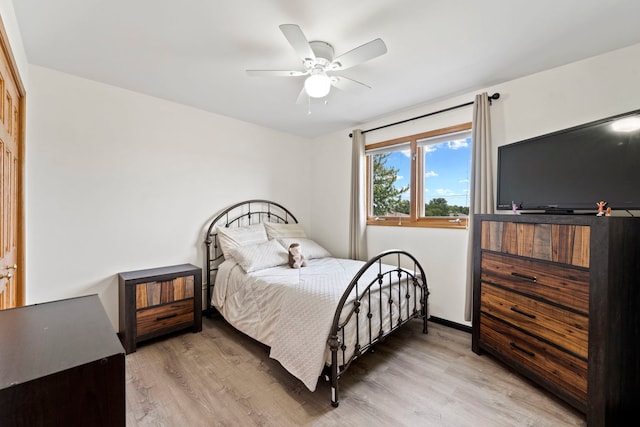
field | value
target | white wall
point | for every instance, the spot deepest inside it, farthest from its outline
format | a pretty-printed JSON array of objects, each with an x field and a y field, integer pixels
[
  {"x": 552, "y": 100},
  {"x": 120, "y": 181}
]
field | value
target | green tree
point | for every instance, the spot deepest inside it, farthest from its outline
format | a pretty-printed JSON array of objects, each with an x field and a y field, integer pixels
[
  {"x": 463, "y": 210},
  {"x": 437, "y": 207},
  {"x": 387, "y": 198},
  {"x": 440, "y": 207},
  {"x": 403, "y": 207}
]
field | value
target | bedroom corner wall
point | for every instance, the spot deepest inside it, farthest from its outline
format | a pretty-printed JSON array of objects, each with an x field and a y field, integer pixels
[
  {"x": 120, "y": 181},
  {"x": 555, "y": 99}
]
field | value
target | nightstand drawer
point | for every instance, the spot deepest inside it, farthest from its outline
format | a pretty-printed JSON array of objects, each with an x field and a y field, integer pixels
[
  {"x": 566, "y": 329},
  {"x": 164, "y": 318},
  {"x": 156, "y": 293},
  {"x": 563, "y": 285},
  {"x": 565, "y": 371}
]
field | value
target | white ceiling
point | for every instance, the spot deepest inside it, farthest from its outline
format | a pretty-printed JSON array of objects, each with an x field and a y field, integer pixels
[{"x": 195, "y": 52}]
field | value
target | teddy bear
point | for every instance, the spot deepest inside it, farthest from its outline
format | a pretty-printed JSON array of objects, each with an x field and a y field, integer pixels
[{"x": 296, "y": 259}]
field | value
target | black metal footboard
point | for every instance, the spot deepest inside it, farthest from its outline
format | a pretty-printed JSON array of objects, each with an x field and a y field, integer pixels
[{"x": 372, "y": 308}]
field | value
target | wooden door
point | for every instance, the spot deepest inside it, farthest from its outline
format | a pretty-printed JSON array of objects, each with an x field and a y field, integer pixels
[{"x": 12, "y": 101}]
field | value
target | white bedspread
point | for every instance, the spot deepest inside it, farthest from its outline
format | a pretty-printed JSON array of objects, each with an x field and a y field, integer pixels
[{"x": 290, "y": 310}]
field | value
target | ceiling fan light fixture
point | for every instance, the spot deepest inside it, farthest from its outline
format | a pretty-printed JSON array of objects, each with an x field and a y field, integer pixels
[
  {"x": 317, "y": 85},
  {"x": 628, "y": 124}
]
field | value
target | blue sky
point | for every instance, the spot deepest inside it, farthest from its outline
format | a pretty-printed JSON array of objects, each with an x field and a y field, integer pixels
[{"x": 447, "y": 169}]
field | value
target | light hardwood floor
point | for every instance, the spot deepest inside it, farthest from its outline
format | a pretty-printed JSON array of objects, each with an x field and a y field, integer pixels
[{"x": 220, "y": 377}]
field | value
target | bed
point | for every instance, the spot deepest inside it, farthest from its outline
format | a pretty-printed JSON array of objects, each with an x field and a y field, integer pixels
[{"x": 318, "y": 319}]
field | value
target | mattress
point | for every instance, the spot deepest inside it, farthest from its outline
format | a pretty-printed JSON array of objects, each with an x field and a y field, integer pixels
[{"x": 292, "y": 310}]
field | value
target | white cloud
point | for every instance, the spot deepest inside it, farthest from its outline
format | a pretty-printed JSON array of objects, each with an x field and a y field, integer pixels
[
  {"x": 430, "y": 174},
  {"x": 430, "y": 148},
  {"x": 459, "y": 143}
]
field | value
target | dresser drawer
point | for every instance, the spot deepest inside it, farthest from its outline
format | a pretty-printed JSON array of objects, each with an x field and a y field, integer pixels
[
  {"x": 561, "y": 369},
  {"x": 566, "y": 329},
  {"x": 562, "y": 243},
  {"x": 561, "y": 284},
  {"x": 164, "y": 318}
]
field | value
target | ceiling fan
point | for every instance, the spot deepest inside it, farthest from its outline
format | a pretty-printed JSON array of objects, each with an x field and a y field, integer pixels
[{"x": 319, "y": 63}]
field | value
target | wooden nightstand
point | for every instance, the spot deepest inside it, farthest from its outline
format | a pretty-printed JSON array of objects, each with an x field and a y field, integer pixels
[{"x": 158, "y": 301}]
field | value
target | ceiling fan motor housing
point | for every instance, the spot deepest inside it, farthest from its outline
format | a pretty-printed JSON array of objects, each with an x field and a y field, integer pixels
[{"x": 324, "y": 52}]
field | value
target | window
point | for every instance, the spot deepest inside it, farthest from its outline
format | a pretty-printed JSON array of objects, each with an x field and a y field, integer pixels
[{"x": 420, "y": 180}]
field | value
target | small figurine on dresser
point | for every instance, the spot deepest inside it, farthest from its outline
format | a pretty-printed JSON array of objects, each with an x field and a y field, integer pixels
[
  {"x": 602, "y": 205},
  {"x": 514, "y": 208}
]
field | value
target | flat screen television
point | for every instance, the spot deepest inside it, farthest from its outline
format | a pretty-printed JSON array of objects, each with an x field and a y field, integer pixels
[{"x": 573, "y": 169}]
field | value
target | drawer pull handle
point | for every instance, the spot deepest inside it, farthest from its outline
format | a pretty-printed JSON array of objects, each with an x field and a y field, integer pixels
[
  {"x": 168, "y": 316},
  {"x": 517, "y": 347},
  {"x": 530, "y": 316},
  {"x": 524, "y": 276}
]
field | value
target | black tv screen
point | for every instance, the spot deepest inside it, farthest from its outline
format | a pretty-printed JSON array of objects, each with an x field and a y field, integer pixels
[{"x": 573, "y": 169}]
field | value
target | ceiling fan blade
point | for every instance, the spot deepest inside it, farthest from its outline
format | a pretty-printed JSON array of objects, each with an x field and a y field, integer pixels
[
  {"x": 276, "y": 73},
  {"x": 302, "y": 96},
  {"x": 359, "y": 55},
  {"x": 348, "y": 85},
  {"x": 298, "y": 41}
]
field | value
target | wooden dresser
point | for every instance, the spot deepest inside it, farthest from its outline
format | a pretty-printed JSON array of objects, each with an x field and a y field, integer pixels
[
  {"x": 556, "y": 297},
  {"x": 157, "y": 301},
  {"x": 61, "y": 364}
]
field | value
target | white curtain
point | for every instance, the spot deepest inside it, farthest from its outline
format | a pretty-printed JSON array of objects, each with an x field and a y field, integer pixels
[
  {"x": 481, "y": 186},
  {"x": 358, "y": 217}
]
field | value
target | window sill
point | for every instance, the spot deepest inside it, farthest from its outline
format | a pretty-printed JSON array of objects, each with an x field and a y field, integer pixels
[{"x": 441, "y": 222}]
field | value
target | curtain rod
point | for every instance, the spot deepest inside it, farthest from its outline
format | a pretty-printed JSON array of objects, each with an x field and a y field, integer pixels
[{"x": 491, "y": 98}]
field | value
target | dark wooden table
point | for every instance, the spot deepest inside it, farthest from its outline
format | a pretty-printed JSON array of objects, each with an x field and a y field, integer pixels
[{"x": 61, "y": 364}]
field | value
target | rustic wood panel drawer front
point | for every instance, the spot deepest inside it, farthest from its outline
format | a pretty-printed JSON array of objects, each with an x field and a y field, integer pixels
[
  {"x": 569, "y": 372},
  {"x": 156, "y": 293},
  {"x": 561, "y": 327},
  {"x": 567, "y": 244},
  {"x": 161, "y": 318},
  {"x": 551, "y": 282},
  {"x": 158, "y": 301},
  {"x": 556, "y": 297}
]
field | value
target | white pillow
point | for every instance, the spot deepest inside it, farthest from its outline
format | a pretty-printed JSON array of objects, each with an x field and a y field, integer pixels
[
  {"x": 309, "y": 248},
  {"x": 276, "y": 230},
  {"x": 261, "y": 255},
  {"x": 233, "y": 237}
]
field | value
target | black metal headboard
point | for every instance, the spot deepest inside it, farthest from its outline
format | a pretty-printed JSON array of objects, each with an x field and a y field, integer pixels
[{"x": 240, "y": 214}]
